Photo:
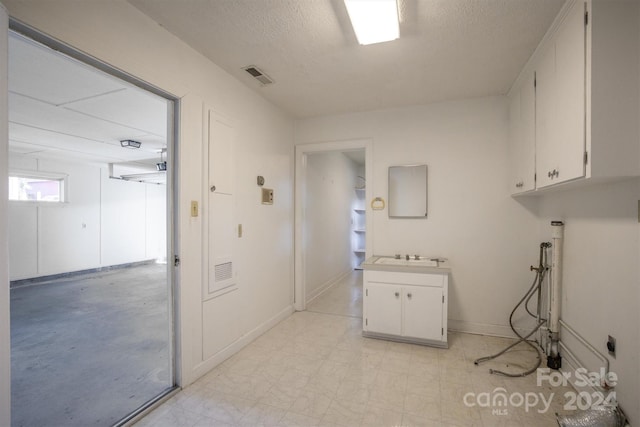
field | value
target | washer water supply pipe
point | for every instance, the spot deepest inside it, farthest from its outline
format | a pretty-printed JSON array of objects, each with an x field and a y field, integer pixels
[
  {"x": 554, "y": 360},
  {"x": 536, "y": 288}
]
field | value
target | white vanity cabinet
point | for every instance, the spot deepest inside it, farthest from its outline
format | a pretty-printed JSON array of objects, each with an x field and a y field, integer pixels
[{"x": 406, "y": 306}]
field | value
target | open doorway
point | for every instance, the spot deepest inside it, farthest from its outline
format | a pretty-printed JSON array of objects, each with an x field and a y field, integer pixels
[
  {"x": 90, "y": 160},
  {"x": 332, "y": 237}
]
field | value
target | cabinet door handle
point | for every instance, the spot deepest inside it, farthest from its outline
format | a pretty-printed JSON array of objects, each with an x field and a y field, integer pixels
[
  {"x": 397, "y": 294},
  {"x": 212, "y": 188},
  {"x": 409, "y": 295}
]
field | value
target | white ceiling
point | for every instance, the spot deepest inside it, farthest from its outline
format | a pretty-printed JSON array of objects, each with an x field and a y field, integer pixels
[
  {"x": 61, "y": 108},
  {"x": 448, "y": 49}
]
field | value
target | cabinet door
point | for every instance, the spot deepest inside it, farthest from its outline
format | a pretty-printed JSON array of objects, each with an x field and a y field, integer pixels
[
  {"x": 570, "y": 96},
  {"x": 545, "y": 117},
  {"x": 522, "y": 130},
  {"x": 514, "y": 142},
  {"x": 560, "y": 104},
  {"x": 422, "y": 317},
  {"x": 383, "y": 308}
]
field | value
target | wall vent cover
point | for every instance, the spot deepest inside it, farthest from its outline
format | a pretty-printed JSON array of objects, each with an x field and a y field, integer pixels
[
  {"x": 224, "y": 271},
  {"x": 257, "y": 74}
]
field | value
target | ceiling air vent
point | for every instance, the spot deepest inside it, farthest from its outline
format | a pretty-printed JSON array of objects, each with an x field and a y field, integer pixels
[{"x": 258, "y": 75}]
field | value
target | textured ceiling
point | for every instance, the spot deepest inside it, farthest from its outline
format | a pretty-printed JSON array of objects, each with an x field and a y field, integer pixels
[{"x": 448, "y": 49}]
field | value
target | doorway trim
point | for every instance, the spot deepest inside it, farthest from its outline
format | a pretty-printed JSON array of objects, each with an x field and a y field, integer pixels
[
  {"x": 301, "y": 153},
  {"x": 172, "y": 195}
]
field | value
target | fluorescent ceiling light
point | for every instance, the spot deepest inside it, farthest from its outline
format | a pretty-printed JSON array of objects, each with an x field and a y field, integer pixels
[{"x": 374, "y": 21}]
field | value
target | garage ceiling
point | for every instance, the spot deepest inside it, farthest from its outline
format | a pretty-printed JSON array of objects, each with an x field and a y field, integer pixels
[
  {"x": 448, "y": 49},
  {"x": 62, "y": 108}
]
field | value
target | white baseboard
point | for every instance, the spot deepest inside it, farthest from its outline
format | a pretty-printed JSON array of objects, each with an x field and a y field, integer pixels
[
  {"x": 327, "y": 285},
  {"x": 202, "y": 368},
  {"x": 484, "y": 328}
]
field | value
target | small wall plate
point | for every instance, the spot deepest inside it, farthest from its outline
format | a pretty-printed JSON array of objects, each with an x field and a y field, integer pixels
[{"x": 267, "y": 196}]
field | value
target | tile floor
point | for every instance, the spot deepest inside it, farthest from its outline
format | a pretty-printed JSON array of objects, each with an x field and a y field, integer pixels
[
  {"x": 315, "y": 369},
  {"x": 344, "y": 298}
]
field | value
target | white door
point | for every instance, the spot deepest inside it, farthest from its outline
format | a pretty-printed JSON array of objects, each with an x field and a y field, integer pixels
[
  {"x": 422, "y": 312},
  {"x": 221, "y": 164},
  {"x": 383, "y": 308},
  {"x": 5, "y": 342}
]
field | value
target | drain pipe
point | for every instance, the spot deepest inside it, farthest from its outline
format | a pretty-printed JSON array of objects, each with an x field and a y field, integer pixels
[{"x": 554, "y": 360}]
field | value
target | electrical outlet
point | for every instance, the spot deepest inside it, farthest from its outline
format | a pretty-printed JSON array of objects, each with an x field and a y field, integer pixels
[
  {"x": 611, "y": 345},
  {"x": 194, "y": 208}
]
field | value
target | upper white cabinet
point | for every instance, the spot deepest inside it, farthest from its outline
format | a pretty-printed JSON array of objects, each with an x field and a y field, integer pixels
[
  {"x": 560, "y": 103},
  {"x": 584, "y": 95},
  {"x": 522, "y": 133}
]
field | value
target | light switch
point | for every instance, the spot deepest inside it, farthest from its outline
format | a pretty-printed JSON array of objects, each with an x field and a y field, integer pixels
[{"x": 194, "y": 208}]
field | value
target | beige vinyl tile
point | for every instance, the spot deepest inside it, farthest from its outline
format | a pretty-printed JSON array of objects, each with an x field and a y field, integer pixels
[{"x": 316, "y": 369}]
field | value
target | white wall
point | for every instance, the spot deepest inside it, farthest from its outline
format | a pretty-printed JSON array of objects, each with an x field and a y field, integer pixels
[
  {"x": 105, "y": 222},
  {"x": 132, "y": 221},
  {"x": 119, "y": 34},
  {"x": 329, "y": 202},
  {"x": 600, "y": 276},
  {"x": 490, "y": 238}
]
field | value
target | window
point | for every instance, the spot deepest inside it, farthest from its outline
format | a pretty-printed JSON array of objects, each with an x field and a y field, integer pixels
[{"x": 36, "y": 187}]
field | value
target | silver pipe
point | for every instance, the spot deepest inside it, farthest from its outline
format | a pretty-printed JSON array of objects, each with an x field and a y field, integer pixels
[
  {"x": 556, "y": 277},
  {"x": 554, "y": 359}
]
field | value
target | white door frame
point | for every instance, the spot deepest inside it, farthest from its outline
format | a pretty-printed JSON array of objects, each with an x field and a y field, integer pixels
[
  {"x": 5, "y": 330},
  {"x": 301, "y": 153},
  {"x": 173, "y": 130}
]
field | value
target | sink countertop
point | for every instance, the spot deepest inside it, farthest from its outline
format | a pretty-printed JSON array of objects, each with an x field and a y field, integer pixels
[{"x": 409, "y": 267}]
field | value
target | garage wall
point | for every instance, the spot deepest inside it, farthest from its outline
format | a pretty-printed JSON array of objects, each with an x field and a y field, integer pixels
[{"x": 105, "y": 222}]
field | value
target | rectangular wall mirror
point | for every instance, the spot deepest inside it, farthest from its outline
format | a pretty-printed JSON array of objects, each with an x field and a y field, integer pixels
[{"x": 408, "y": 191}]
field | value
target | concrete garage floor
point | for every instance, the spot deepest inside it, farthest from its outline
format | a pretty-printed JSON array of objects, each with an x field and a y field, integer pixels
[{"x": 88, "y": 350}]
